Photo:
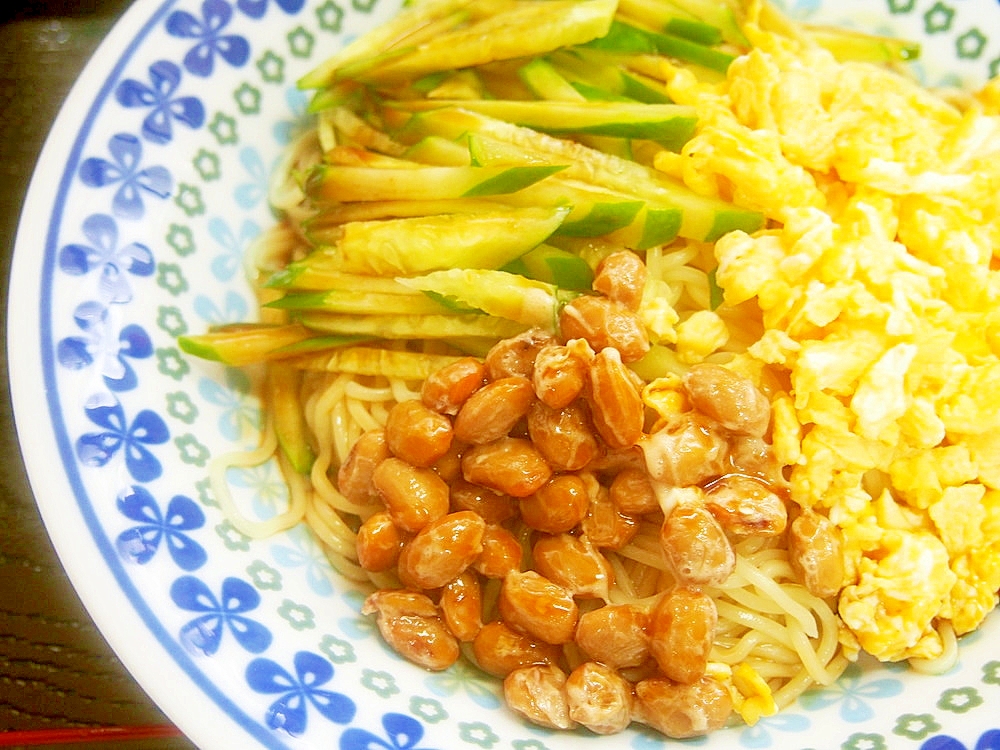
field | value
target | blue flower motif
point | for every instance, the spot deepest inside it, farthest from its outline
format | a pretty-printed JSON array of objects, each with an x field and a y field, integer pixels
[
  {"x": 402, "y": 732},
  {"x": 126, "y": 156},
  {"x": 225, "y": 266},
  {"x": 234, "y": 309},
  {"x": 140, "y": 543},
  {"x": 200, "y": 59},
  {"x": 463, "y": 677},
  {"x": 285, "y": 131},
  {"x": 204, "y": 633},
  {"x": 104, "y": 255},
  {"x": 265, "y": 484},
  {"x": 249, "y": 194},
  {"x": 257, "y": 8},
  {"x": 239, "y": 412},
  {"x": 289, "y": 711},
  {"x": 95, "y": 345},
  {"x": 990, "y": 740},
  {"x": 759, "y": 736},
  {"x": 164, "y": 77},
  {"x": 853, "y": 694},
  {"x": 98, "y": 448},
  {"x": 305, "y": 554}
]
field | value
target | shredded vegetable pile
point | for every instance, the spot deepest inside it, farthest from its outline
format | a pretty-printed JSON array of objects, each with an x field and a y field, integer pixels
[{"x": 809, "y": 217}]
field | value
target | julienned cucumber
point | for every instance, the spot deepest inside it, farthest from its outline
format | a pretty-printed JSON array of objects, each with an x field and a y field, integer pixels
[
  {"x": 518, "y": 29},
  {"x": 339, "y": 184},
  {"x": 670, "y": 125},
  {"x": 404, "y": 247},
  {"x": 495, "y": 142},
  {"x": 497, "y": 293}
]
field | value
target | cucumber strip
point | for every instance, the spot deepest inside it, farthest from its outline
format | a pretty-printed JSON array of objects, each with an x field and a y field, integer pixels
[
  {"x": 320, "y": 271},
  {"x": 703, "y": 218},
  {"x": 438, "y": 151},
  {"x": 352, "y": 128},
  {"x": 367, "y": 360},
  {"x": 410, "y": 26},
  {"x": 244, "y": 343},
  {"x": 626, "y": 39},
  {"x": 593, "y": 71},
  {"x": 545, "y": 82},
  {"x": 326, "y": 228},
  {"x": 403, "y": 247},
  {"x": 338, "y": 184},
  {"x": 555, "y": 266},
  {"x": 603, "y": 218},
  {"x": 412, "y": 326},
  {"x": 664, "y": 16},
  {"x": 523, "y": 29},
  {"x": 315, "y": 344},
  {"x": 669, "y": 124},
  {"x": 725, "y": 15},
  {"x": 500, "y": 293},
  {"x": 696, "y": 31},
  {"x": 593, "y": 211},
  {"x": 857, "y": 46},
  {"x": 283, "y": 385},
  {"x": 596, "y": 94},
  {"x": 358, "y": 302}
]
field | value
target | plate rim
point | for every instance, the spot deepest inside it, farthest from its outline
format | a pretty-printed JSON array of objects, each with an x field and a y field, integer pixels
[
  {"x": 157, "y": 664},
  {"x": 110, "y": 606}
]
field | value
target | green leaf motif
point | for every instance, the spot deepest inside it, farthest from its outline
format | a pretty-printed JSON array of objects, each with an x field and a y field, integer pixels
[
  {"x": 428, "y": 709},
  {"x": 861, "y": 741},
  {"x": 915, "y": 726},
  {"x": 271, "y": 67},
  {"x": 234, "y": 539},
  {"x": 170, "y": 277},
  {"x": 939, "y": 18},
  {"x": 264, "y": 577},
  {"x": 223, "y": 127},
  {"x": 330, "y": 16},
  {"x": 971, "y": 44},
  {"x": 478, "y": 733},
  {"x": 205, "y": 494},
  {"x": 299, "y": 616},
  {"x": 991, "y": 673},
  {"x": 207, "y": 165},
  {"x": 171, "y": 321},
  {"x": 338, "y": 651},
  {"x": 189, "y": 200},
  {"x": 300, "y": 42},
  {"x": 181, "y": 407},
  {"x": 248, "y": 99},
  {"x": 171, "y": 363},
  {"x": 959, "y": 700},
  {"x": 191, "y": 451},
  {"x": 382, "y": 684},
  {"x": 181, "y": 239}
]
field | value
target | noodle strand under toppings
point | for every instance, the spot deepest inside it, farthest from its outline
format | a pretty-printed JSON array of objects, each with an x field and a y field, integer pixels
[{"x": 648, "y": 360}]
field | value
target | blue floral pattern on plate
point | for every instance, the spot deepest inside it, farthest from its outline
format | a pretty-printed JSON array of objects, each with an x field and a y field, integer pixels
[{"x": 163, "y": 176}]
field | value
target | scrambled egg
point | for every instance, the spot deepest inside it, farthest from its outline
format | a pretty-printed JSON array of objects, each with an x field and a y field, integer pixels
[{"x": 878, "y": 285}]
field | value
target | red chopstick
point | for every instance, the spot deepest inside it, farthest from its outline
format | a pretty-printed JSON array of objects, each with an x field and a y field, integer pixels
[{"x": 30, "y": 737}]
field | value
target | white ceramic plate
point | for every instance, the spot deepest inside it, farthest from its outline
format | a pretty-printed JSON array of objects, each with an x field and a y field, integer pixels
[{"x": 148, "y": 191}]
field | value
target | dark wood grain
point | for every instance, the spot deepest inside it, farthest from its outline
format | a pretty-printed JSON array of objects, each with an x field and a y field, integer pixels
[{"x": 56, "y": 670}]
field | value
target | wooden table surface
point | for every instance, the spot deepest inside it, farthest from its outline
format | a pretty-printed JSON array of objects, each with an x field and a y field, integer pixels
[{"x": 56, "y": 670}]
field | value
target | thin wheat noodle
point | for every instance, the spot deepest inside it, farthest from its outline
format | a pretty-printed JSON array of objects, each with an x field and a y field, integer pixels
[
  {"x": 362, "y": 415},
  {"x": 248, "y": 459},
  {"x": 771, "y": 589},
  {"x": 336, "y": 534},
  {"x": 948, "y": 656}
]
